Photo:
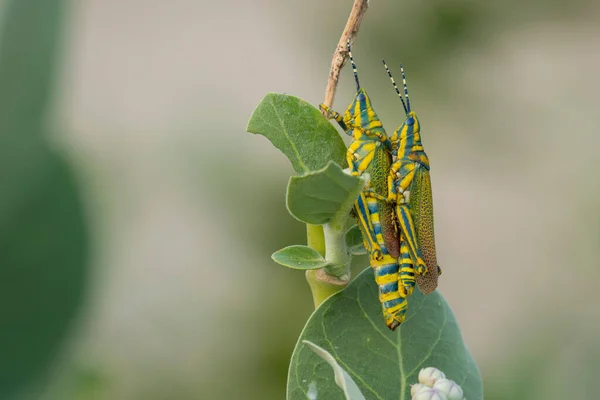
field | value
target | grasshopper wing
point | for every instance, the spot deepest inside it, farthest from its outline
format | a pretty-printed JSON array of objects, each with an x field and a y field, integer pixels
[{"x": 421, "y": 206}]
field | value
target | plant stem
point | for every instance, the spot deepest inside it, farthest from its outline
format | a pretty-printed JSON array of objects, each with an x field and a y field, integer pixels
[
  {"x": 336, "y": 252},
  {"x": 340, "y": 56},
  {"x": 330, "y": 240},
  {"x": 315, "y": 238}
]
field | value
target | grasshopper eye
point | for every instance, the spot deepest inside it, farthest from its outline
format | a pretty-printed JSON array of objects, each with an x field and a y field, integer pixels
[{"x": 410, "y": 121}]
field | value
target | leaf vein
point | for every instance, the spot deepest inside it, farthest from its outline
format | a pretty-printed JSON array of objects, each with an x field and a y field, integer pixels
[
  {"x": 435, "y": 343},
  {"x": 285, "y": 132},
  {"x": 374, "y": 324},
  {"x": 415, "y": 312}
]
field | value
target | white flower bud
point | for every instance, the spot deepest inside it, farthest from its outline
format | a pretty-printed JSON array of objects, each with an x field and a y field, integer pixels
[
  {"x": 427, "y": 393},
  {"x": 416, "y": 387},
  {"x": 429, "y": 375},
  {"x": 450, "y": 388}
]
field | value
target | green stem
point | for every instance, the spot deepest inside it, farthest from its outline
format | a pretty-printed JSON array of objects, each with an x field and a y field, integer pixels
[
  {"x": 330, "y": 241},
  {"x": 336, "y": 252},
  {"x": 315, "y": 238},
  {"x": 335, "y": 239}
]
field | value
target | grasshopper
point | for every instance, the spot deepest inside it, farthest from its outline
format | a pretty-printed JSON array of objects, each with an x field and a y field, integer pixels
[
  {"x": 409, "y": 188},
  {"x": 371, "y": 152}
]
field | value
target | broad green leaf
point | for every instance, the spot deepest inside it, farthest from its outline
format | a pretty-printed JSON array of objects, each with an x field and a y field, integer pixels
[
  {"x": 43, "y": 238},
  {"x": 354, "y": 241},
  {"x": 299, "y": 130},
  {"x": 342, "y": 379},
  {"x": 317, "y": 197},
  {"x": 299, "y": 257},
  {"x": 383, "y": 363}
]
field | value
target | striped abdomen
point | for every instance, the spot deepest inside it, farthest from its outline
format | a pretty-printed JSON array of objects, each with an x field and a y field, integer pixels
[
  {"x": 393, "y": 301},
  {"x": 385, "y": 266}
]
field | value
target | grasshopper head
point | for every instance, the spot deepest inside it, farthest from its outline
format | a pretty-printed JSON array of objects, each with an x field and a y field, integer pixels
[
  {"x": 360, "y": 115},
  {"x": 410, "y": 126},
  {"x": 408, "y": 137},
  {"x": 360, "y": 111},
  {"x": 361, "y": 104}
]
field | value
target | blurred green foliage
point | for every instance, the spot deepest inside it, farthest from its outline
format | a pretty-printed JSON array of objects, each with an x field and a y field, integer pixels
[{"x": 43, "y": 240}]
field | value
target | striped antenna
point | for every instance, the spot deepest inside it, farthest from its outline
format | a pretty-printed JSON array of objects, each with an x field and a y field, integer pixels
[
  {"x": 353, "y": 66},
  {"x": 395, "y": 86},
  {"x": 405, "y": 88}
]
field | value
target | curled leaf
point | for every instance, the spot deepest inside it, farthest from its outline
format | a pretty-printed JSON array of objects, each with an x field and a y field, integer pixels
[
  {"x": 320, "y": 196},
  {"x": 342, "y": 379}
]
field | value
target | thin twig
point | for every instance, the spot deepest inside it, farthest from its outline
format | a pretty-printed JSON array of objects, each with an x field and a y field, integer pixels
[{"x": 359, "y": 8}]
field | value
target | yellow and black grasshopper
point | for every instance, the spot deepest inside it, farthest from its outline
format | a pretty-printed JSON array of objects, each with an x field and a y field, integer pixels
[
  {"x": 409, "y": 186},
  {"x": 371, "y": 152}
]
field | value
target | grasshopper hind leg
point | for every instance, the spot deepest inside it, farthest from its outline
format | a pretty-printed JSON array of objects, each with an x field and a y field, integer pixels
[{"x": 410, "y": 236}]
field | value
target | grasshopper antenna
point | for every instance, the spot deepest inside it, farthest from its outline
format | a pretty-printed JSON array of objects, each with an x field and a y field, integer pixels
[
  {"x": 353, "y": 66},
  {"x": 405, "y": 88},
  {"x": 395, "y": 86}
]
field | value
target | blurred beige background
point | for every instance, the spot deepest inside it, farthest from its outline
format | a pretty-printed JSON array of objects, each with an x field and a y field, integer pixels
[{"x": 184, "y": 301}]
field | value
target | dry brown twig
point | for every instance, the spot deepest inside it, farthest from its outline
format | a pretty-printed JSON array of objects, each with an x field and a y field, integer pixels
[{"x": 340, "y": 56}]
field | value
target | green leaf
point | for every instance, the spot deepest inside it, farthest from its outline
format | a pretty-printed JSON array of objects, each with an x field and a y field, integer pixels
[
  {"x": 317, "y": 197},
  {"x": 29, "y": 45},
  {"x": 43, "y": 236},
  {"x": 342, "y": 379},
  {"x": 354, "y": 241},
  {"x": 299, "y": 257},
  {"x": 299, "y": 130},
  {"x": 383, "y": 363}
]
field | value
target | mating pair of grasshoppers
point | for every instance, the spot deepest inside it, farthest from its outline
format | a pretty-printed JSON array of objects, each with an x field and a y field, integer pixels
[{"x": 395, "y": 209}]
